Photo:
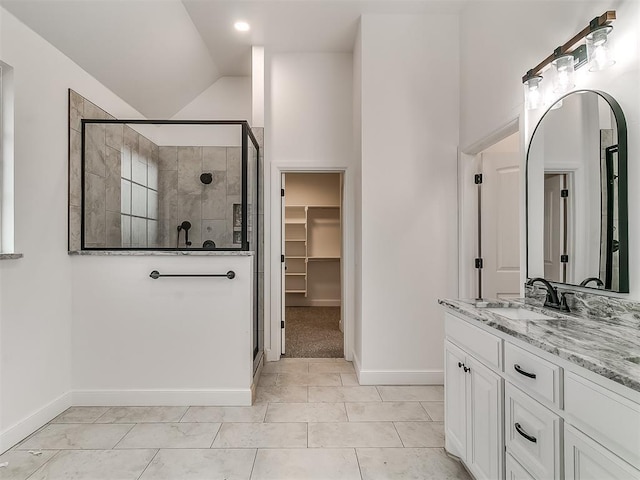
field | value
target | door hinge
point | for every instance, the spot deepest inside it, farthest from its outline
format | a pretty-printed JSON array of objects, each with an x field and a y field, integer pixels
[
  {"x": 564, "y": 193},
  {"x": 477, "y": 178},
  {"x": 282, "y": 324},
  {"x": 564, "y": 258},
  {"x": 282, "y": 192},
  {"x": 479, "y": 262},
  {"x": 281, "y": 258}
]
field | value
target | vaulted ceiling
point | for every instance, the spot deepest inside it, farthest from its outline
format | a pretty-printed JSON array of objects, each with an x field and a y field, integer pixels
[{"x": 158, "y": 55}]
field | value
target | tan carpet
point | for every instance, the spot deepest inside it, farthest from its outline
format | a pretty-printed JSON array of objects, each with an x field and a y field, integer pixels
[{"x": 313, "y": 332}]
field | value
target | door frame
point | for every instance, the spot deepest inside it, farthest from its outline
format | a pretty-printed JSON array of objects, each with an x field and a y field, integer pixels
[
  {"x": 347, "y": 266},
  {"x": 468, "y": 163}
]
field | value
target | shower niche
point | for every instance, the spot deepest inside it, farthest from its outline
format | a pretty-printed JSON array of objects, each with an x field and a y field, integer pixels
[{"x": 162, "y": 185}]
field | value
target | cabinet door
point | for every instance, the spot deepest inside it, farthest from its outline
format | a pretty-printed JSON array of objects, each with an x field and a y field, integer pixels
[
  {"x": 455, "y": 400},
  {"x": 485, "y": 447},
  {"x": 585, "y": 459},
  {"x": 515, "y": 471}
]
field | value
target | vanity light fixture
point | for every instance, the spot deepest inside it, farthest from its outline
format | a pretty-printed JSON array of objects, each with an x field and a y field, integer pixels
[
  {"x": 532, "y": 92},
  {"x": 589, "y": 44},
  {"x": 598, "y": 51},
  {"x": 242, "y": 26},
  {"x": 564, "y": 67}
]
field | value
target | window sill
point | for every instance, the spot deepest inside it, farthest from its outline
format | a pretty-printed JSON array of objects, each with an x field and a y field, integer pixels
[{"x": 10, "y": 256}]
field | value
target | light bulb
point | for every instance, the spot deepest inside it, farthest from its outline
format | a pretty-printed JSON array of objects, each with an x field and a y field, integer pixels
[
  {"x": 564, "y": 68},
  {"x": 242, "y": 26},
  {"x": 532, "y": 93},
  {"x": 598, "y": 51}
]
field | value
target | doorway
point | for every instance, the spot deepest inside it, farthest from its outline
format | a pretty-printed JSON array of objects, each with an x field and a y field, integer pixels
[
  {"x": 312, "y": 238},
  {"x": 499, "y": 220}
]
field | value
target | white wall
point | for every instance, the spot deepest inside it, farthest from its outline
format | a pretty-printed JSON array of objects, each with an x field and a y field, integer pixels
[
  {"x": 35, "y": 291},
  {"x": 357, "y": 193},
  {"x": 37, "y": 307},
  {"x": 171, "y": 341},
  {"x": 308, "y": 116},
  {"x": 491, "y": 71},
  {"x": 229, "y": 98},
  {"x": 409, "y": 215}
]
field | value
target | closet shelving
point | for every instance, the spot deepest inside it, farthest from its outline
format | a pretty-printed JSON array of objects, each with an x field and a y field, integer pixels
[{"x": 312, "y": 234}]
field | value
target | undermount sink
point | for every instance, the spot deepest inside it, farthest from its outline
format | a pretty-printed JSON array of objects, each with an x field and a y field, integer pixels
[{"x": 518, "y": 313}]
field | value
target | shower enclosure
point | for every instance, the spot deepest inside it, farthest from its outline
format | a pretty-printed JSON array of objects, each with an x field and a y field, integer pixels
[{"x": 167, "y": 186}]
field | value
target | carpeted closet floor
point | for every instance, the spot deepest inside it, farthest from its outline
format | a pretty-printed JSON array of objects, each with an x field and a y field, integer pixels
[{"x": 313, "y": 332}]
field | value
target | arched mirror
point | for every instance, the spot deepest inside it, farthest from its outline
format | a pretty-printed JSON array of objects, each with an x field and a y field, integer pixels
[{"x": 576, "y": 194}]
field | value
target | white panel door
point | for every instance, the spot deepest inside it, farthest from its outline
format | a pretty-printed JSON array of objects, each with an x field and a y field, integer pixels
[
  {"x": 485, "y": 445},
  {"x": 585, "y": 459},
  {"x": 455, "y": 401},
  {"x": 553, "y": 228},
  {"x": 283, "y": 265},
  {"x": 501, "y": 225}
]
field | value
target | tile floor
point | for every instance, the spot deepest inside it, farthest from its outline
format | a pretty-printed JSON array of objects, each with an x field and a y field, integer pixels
[{"x": 311, "y": 420}]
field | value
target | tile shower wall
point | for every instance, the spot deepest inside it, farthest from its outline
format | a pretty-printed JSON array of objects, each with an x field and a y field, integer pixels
[
  {"x": 138, "y": 193},
  {"x": 121, "y": 207},
  {"x": 209, "y": 208}
]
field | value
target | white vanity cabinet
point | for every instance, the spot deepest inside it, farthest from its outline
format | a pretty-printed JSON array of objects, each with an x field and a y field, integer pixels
[
  {"x": 474, "y": 404},
  {"x": 514, "y": 411}
]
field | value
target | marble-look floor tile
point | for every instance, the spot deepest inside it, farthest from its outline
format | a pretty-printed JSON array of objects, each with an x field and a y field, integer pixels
[
  {"x": 254, "y": 413},
  {"x": 142, "y": 415},
  {"x": 201, "y": 465},
  {"x": 95, "y": 465},
  {"x": 22, "y": 464},
  {"x": 326, "y": 360},
  {"x": 261, "y": 435},
  {"x": 421, "y": 393},
  {"x": 170, "y": 435},
  {"x": 349, "y": 379},
  {"x": 267, "y": 379},
  {"x": 286, "y": 367},
  {"x": 64, "y": 436},
  {"x": 367, "y": 434},
  {"x": 306, "y": 412},
  {"x": 409, "y": 464},
  {"x": 277, "y": 394},
  {"x": 308, "y": 464},
  {"x": 331, "y": 367},
  {"x": 386, "y": 412},
  {"x": 309, "y": 379},
  {"x": 435, "y": 410},
  {"x": 80, "y": 415},
  {"x": 421, "y": 434},
  {"x": 343, "y": 394}
]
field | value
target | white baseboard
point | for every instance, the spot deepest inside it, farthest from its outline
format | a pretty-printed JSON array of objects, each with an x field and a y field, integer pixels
[
  {"x": 25, "y": 427},
  {"x": 162, "y": 398},
  {"x": 398, "y": 377}
]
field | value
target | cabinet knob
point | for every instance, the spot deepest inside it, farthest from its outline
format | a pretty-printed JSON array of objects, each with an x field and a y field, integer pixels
[
  {"x": 459, "y": 364},
  {"x": 466, "y": 369}
]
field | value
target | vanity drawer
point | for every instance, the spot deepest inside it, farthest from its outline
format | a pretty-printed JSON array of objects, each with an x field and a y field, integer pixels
[
  {"x": 515, "y": 471},
  {"x": 535, "y": 375},
  {"x": 482, "y": 345},
  {"x": 608, "y": 418},
  {"x": 532, "y": 434}
]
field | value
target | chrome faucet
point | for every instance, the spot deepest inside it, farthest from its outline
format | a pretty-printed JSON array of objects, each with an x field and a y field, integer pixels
[{"x": 552, "y": 300}]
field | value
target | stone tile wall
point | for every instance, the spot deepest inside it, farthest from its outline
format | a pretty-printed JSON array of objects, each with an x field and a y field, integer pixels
[{"x": 209, "y": 208}]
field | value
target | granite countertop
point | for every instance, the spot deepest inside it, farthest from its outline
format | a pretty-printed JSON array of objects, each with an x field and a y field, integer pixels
[
  {"x": 607, "y": 346},
  {"x": 144, "y": 253}
]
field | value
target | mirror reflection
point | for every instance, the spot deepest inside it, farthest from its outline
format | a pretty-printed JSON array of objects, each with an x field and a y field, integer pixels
[{"x": 576, "y": 194}]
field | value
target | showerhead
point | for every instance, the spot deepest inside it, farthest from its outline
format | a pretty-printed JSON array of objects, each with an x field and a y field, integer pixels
[
  {"x": 186, "y": 225},
  {"x": 206, "y": 178}
]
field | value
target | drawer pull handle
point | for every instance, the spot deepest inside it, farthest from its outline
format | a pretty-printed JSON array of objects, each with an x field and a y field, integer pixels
[
  {"x": 524, "y": 434},
  {"x": 522, "y": 372},
  {"x": 460, "y": 364}
]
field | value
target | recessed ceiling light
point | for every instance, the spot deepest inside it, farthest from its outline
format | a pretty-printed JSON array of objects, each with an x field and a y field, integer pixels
[{"x": 242, "y": 26}]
